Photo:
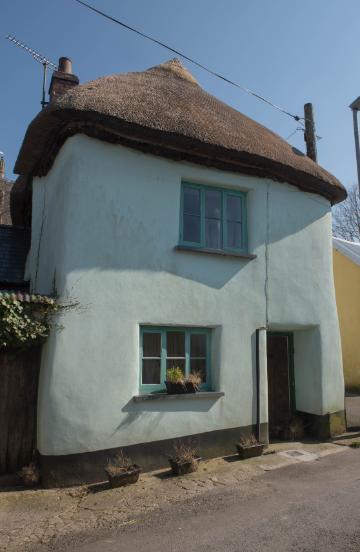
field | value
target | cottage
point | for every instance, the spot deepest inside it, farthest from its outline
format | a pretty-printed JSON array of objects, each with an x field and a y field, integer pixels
[
  {"x": 347, "y": 287},
  {"x": 191, "y": 236}
]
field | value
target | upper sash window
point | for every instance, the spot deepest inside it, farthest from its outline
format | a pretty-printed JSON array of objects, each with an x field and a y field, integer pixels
[{"x": 213, "y": 218}]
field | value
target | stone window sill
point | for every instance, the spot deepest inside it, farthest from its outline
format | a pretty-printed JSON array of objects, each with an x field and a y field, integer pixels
[
  {"x": 183, "y": 396},
  {"x": 191, "y": 249}
]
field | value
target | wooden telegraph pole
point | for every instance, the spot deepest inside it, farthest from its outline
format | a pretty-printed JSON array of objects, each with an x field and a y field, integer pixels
[{"x": 309, "y": 134}]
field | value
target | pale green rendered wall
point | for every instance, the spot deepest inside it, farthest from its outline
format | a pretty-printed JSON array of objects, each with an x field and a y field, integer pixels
[{"x": 108, "y": 218}]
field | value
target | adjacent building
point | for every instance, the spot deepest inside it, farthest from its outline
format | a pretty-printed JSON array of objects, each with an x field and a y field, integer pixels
[{"x": 347, "y": 287}]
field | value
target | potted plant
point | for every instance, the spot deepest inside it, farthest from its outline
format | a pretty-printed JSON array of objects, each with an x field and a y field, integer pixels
[
  {"x": 249, "y": 446},
  {"x": 121, "y": 471},
  {"x": 177, "y": 383},
  {"x": 30, "y": 475},
  {"x": 193, "y": 382},
  {"x": 184, "y": 459}
]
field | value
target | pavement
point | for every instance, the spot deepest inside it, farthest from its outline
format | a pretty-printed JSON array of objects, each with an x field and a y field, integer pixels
[
  {"x": 225, "y": 495},
  {"x": 305, "y": 507}
]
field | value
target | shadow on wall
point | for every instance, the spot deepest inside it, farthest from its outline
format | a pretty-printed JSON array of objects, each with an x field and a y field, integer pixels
[
  {"x": 130, "y": 230},
  {"x": 137, "y": 411},
  {"x": 210, "y": 270}
]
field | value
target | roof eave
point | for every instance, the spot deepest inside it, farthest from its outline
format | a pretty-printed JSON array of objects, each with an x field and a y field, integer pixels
[{"x": 62, "y": 124}]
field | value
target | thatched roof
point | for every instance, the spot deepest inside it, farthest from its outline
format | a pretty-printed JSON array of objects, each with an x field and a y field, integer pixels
[{"x": 164, "y": 111}]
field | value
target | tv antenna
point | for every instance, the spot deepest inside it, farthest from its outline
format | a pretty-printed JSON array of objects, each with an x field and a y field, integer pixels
[{"x": 45, "y": 62}]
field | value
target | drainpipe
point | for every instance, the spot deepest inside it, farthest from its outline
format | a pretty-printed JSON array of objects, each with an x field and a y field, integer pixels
[
  {"x": 257, "y": 363},
  {"x": 261, "y": 379}
]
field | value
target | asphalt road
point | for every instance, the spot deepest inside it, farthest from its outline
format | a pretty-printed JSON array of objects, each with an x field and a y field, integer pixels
[{"x": 312, "y": 507}]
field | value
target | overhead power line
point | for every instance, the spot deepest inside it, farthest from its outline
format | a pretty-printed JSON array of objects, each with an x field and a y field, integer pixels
[{"x": 191, "y": 60}]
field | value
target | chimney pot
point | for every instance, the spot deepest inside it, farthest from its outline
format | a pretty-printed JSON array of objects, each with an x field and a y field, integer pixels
[
  {"x": 65, "y": 65},
  {"x": 2, "y": 167},
  {"x": 62, "y": 79}
]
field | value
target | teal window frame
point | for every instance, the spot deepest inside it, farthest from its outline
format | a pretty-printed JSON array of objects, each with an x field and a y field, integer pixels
[
  {"x": 225, "y": 192},
  {"x": 153, "y": 388}
]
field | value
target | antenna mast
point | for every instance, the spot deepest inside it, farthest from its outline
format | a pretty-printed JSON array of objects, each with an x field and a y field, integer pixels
[{"x": 45, "y": 62}]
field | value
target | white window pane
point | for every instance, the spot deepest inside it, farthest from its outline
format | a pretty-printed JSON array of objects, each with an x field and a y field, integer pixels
[
  {"x": 212, "y": 204},
  {"x": 233, "y": 208},
  {"x": 191, "y": 231},
  {"x": 151, "y": 345},
  {"x": 151, "y": 373},
  {"x": 199, "y": 365},
  {"x": 212, "y": 234},
  {"x": 191, "y": 200},
  {"x": 198, "y": 345},
  {"x": 176, "y": 363},
  {"x": 175, "y": 344},
  {"x": 234, "y": 235}
]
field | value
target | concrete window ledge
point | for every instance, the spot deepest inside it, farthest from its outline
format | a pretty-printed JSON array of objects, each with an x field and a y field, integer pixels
[
  {"x": 192, "y": 249},
  {"x": 184, "y": 396}
]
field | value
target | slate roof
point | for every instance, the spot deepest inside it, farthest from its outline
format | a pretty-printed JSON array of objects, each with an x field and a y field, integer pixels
[
  {"x": 14, "y": 246},
  {"x": 164, "y": 111}
]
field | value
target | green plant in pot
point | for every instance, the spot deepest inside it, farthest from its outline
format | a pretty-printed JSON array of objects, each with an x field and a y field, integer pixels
[
  {"x": 184, "y": 459},
  {"x": 177, "y": 383},
  {"x": 121, "y": 471},
  {"x": 249, "y": 447}
]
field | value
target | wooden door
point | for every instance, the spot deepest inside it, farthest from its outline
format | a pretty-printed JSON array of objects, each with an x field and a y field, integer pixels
[
  {"x": 19, "y": 373},
  {"x": 279, "y": 381}
]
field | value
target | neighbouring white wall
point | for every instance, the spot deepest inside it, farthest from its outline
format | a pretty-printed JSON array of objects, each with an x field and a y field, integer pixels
[{"x": 108, "y": 217}]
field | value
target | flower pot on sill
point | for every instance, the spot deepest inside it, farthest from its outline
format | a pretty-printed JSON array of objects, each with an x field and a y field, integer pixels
[
  {"x": 180, "y": 388},
  {"x": 181, "y": 468},
  {"x": 249, "y": 451},
  {"x": 124, "y": 478}
]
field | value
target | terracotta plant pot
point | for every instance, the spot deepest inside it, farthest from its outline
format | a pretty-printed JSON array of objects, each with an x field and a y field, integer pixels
[
  {"x": 249, "y": 451},
  {"x": 124, "y": 478},
  {"x": 181, "y": 468},
  {"x": 180, "y": 388}
]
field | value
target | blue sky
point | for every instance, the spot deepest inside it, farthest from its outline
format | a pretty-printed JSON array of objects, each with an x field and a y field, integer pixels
[{"x": 291, "y": 51}]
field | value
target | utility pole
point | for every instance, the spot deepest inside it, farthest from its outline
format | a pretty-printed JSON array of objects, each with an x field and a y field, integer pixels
[
  {"x": 309, "y": 134},
  {"x": 355, "y": 106}
]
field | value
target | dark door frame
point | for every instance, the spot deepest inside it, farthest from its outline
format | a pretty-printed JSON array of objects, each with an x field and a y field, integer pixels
[{"x": 290, "y": 336}]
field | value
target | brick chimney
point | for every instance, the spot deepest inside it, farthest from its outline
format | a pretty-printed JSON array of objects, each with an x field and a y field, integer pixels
[{"x": 62, "y": 79}]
